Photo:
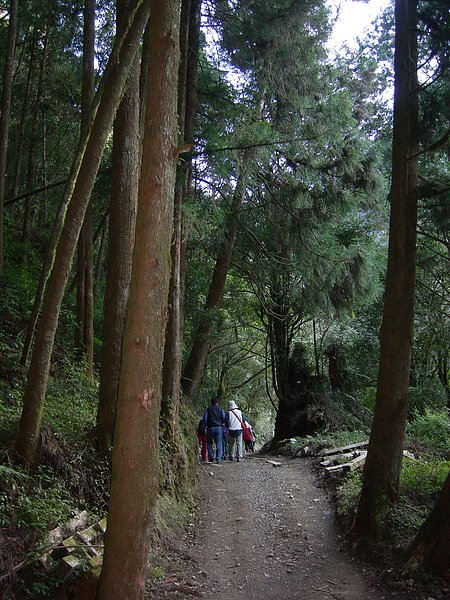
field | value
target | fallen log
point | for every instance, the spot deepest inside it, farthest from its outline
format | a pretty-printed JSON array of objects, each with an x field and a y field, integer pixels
[
  {"x": 334, "y": 458},
  {"x": 350, "y": 465},
  {"x": 355, "y": 463},
  {"x": 332, "y": 451}
]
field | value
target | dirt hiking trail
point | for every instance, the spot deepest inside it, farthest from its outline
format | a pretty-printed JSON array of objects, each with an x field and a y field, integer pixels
[{"x": 265, "y": 532}]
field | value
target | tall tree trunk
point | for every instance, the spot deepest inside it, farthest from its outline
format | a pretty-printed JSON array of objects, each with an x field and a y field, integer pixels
[
  {"x": 23, "y": 116},
  {"x": 28, "y": 212},
  {"x": 195, "y": 365},
  {"x": 431, "y": 544},
  {"x": 81, "y": 182},
  {"x": 135, "y": 470},
  {"x": 384, "y": 458},
  {"x": 187, "y": 104},
  {"x": 84, "y": 329},
  {"x": 123, "y": 206},
  {"x": 6, "y": 110},
  {"x": 100, "y": 262}
]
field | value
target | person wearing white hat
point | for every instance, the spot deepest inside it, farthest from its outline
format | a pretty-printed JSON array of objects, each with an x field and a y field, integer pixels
[{"x": 234, "y": 420}]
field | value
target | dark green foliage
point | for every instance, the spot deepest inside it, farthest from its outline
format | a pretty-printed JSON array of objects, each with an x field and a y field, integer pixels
[
  {"x": 421, "y": 482},
  {"x": 33, "y": 504},
  {"x": 431, "y": 430}
]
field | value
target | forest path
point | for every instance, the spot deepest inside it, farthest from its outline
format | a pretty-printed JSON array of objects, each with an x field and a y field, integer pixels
[{"x": 264, "y": 532}]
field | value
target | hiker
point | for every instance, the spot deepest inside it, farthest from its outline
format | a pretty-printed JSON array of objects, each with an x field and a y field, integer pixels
[
  {"x": 202, "y": 438},
  {"x": 247, "y": 436},
  {"x": 234, "y": 421},
  {"x": 214, "y": 418}
]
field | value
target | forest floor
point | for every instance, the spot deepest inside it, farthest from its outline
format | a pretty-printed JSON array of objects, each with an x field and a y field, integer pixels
[{"x": 268, "y": 532}]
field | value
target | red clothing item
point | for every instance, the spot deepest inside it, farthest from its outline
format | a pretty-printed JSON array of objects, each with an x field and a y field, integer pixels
[{"x": 202, "y": 439}]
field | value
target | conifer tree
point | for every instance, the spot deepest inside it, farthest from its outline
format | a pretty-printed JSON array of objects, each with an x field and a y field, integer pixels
[
  {"x": 135, "y": 468},
  {"x": 381, "y": 476}
]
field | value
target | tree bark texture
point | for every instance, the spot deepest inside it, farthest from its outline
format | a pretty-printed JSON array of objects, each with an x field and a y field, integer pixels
[
  {"x": 82, "y": 179},
  {"x": 432, "y": 542},
  {"x": 384, "y": 459},
  {"x": 122, "y": 220},
  {"x": 135, "y": 470},
  {"x": 196, "y": 362},
  {"x": 187, "y": 105},
  {"x": 84, "y": 329},
  {"x": 6, "y": 110}
]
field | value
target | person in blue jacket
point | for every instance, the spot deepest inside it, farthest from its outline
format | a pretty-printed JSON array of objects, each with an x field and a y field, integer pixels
[{"x": 214, "y": 417}]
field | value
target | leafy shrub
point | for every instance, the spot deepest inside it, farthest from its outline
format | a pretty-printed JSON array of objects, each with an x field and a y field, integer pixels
[
  {"x": 368, "y": 396},
  {"x": 430, "y": 429},
  {"x": 71, "y": 403},
  {"x": 346, "y": 496},
  {"x": 343, "y": 411},
  {"x": 422, "y": 480},
  {"x": 32, "y": 508},
  {"x": 334, "y": 439},
  {"x": 426, "y": 397},
  {"x": 403, "y": 521},
  {"x": 52, "y": 505}
]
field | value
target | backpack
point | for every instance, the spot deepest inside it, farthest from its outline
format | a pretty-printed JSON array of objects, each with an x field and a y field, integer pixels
[{"x": 201, "y": 427}]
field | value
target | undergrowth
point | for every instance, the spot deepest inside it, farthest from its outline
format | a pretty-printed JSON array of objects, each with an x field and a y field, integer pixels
[
  {"x": 421, "y": 481},
  {"x": 72, "y": 477}
]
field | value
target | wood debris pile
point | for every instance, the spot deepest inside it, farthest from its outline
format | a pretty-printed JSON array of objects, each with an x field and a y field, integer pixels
[
  {"x": 345, "y": 459},
  {"x": 74, "y": 543}
]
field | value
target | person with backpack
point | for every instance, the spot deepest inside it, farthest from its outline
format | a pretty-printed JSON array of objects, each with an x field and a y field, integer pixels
[
  {"x": 214, "y": 418},
  {"x": 235, "y": 422},
  {"x": 247, "y": 436}
]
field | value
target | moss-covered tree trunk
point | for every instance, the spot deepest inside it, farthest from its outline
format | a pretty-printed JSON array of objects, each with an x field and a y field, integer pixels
[
  {"x": 384, "y": 458},
  {"x": 135, "y": 470},
  {"x": 82, "y": 180},
  {"x": 187, "y": 106},
  {"x": 122, "y": 221}
]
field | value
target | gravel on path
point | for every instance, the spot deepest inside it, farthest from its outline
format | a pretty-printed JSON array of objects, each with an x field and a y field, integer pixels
[{"x": 265, "y": 531}]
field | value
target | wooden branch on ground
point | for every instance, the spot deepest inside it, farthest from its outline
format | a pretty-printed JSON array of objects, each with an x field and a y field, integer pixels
[
  {"x": 332, "y": 451},
  {"x": 351, "y": 465},
  {"x": 357, "y": 462}
]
